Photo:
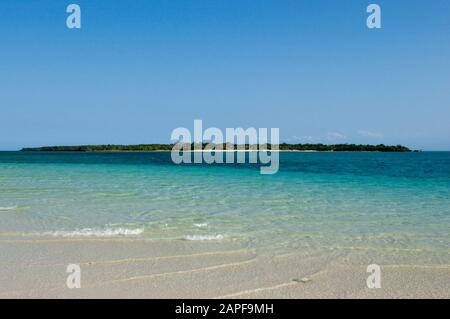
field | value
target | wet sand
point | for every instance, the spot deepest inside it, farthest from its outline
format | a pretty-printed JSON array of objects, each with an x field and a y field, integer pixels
[{"x": 137, "y": 268}]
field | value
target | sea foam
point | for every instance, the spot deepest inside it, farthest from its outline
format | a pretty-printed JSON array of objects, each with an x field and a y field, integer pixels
[
  {"x": 204, "y": 237},
  {"x": 201, "y": 225},
  {"x": 9, "y": 208},
  {"x": 95, "y": 232}
]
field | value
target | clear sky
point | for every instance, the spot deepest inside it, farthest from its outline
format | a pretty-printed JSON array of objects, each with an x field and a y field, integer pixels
[{"x": 138, "y": 69}]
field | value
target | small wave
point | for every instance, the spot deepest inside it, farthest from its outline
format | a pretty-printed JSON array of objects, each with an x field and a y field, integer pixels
[
  {"x": 8, "y": 208},
  {"x": 204, "y": 237},
  {"x": 93, "y": 232},
  {"x": 201, "y": 225}
]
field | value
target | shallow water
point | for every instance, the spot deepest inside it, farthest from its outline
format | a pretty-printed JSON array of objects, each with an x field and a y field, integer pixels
[{"x": 393, "y": 203}]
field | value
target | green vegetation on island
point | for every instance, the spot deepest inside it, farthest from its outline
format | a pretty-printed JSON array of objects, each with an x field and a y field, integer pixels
[{"x": 168, "y": 147}]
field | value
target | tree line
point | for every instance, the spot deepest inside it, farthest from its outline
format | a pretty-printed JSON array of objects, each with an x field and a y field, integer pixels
[{"x": 168, "y": 147}]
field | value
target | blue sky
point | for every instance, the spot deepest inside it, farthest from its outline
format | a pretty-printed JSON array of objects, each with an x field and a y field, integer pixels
[{"x": 138, "y": 69}]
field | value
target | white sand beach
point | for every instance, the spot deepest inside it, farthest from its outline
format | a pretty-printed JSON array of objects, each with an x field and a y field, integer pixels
[{"x": 137, "y": 268}]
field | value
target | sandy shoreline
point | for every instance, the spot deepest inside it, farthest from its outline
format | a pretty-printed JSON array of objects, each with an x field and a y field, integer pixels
[{"x": 137, "y": 268}]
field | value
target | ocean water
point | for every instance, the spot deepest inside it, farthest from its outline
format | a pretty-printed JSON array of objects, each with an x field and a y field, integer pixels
[{"x": 389, "y": 202}]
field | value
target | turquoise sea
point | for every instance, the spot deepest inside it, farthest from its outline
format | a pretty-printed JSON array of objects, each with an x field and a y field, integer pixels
[{"x": 391, "y": 202}]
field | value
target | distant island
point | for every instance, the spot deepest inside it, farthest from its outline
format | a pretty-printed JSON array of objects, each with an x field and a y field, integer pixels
[{"x": 168, "y": 147}]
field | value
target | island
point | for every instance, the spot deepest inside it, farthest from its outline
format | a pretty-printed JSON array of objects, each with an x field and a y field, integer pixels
[{"x": 169, "y": 147}]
